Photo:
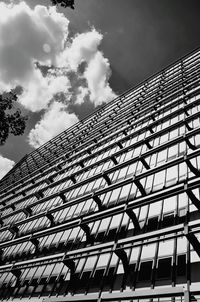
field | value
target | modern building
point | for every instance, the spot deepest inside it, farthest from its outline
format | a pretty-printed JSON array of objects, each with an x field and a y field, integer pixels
[{"x": 109, "y": 210}]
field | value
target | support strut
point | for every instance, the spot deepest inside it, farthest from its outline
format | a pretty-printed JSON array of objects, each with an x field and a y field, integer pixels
[
  {"x": 134, "y": 219},
  {"x": 192, "y": 168},
  {"x": 192, "y": 240},
  {"x": 121, "y": 254},
  {"x": 194, "y": 199},
  {"x": 98, "y": 201},
  {"x": 139, "y": 186}
]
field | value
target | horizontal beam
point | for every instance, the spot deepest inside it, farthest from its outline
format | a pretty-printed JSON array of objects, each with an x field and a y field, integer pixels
[
  {"x": 81, "y": 151},
  {"x": 107, "y": 109},
  {"x": 76, "y": 298},
  {"x": 137, "y": 240},
  {"x": 120, "y": 296},
  {"x": 113, "y": 169},
  {"x": 133, "y": 204},
  {"x": 144, "y": 294}
]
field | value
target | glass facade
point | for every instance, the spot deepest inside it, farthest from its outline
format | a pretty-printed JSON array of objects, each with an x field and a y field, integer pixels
[{"x": 109, "y": 210}]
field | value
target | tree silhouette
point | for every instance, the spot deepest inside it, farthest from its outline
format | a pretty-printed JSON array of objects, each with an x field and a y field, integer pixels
[
  {"x": 11, "y": 120},
  {"x": 64, "y": 3}
]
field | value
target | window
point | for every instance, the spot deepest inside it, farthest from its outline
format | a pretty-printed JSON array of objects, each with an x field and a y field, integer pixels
[
  {"x": 148, "y": 251},
  {"x": 164, "y": 268},
  {"x": 168, "y": 220},
  {"x": 181, "y": 265},
  {"x": 145, "y": 271},
  {"x": 152, "y": 224},
  {"x": 166, "y": 248},
  {"x": 90, "y": 263},
  {"x": 159, "y": 180},
  {"x": 172, "y": 174},
  {"x": 162, "y": 155},
  {"x": 96, "y": 282}
]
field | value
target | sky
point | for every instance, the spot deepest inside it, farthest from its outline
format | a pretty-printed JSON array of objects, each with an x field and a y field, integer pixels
[{"x": 70, "y": 62}]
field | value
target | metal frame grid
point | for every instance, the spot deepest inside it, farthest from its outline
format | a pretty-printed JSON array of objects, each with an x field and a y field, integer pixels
[{"x": 111, "y": 206}]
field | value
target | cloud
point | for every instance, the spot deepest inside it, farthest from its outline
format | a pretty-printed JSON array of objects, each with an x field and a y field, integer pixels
[
  {"x": 97, "y": 75},
  {"x": 41, "y": 90},
  {"x": 55, "y": 120},
  {"x": 28, "y": 36},
  {"x": 82, "y": 49},
  {"x": 5, "y": 165},
  {"x": 81, "y": 95},
  {"x": 53, "y": 70}
]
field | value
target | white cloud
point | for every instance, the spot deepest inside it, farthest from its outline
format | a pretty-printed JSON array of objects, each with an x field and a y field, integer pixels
[
  {"x": 40, "y": 91},
  {"x": 55, "y": 120},
  {"x": 97, "y": 75},
  {"x": 82, "y": 49},
  {"x": 29, "y": 36},
  {"x": 82, "y": 93},
  {"x": 5, "y": 165}
]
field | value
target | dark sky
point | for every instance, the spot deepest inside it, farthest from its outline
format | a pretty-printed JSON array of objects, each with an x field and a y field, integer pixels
[{"x": 140, "y": 38}]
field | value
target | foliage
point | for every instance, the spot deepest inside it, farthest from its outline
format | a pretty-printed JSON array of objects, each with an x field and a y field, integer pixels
[
  {"x": 11, "y": 120},
  {"x": 64, "y": 3}
]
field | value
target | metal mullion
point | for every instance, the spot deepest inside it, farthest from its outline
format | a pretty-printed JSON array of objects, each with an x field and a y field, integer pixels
[
  {"x": 193, "y": 57},
  {"x": 34, "y": 223},
  {"x": 102, "y": 221},
  {"x": 101, "y": 181},
  {"x": 41, "y": 268},
  {"x": 75, "y": 214},
  {"x": 173, "y": 125},
  {"x": 22, "y": 228},
  {"x": 51, "y": 270},
  {"x": 94, "y": 268},
  {"x": 16, "y": 249},
  {"x": 78, "y": 238},
  {"x": 179, "y": 80},
  {"x": 46, "y": 242},
  {"x": 74, "y": 192},
  {"x": 25, "y": 246},
  {"x": 6, "y": 252},
  {"x": 57, "y": 239},
  {"x": 108, "y": 248},
  {"x": 11, "y": 279},
  {"x": 90, "y": 204},
  {"x": 134, "y": 205},
  {"x": 10, "y": 251},
  {"x": 152, "y": 176},
  {"x": 156, "y": 163},
  {"x": 73, "y": 211},
  {"x": 23, "y": 276},
  {"x": 39, "y": 207},
  {"x": 129, "y": 161},
  {"x": 98, "y": 222},
  {"x": 63, "y": 214},
  {"x": 191, "y": 65},
  {"x": 105, "y": 198},
  {"x": 115, "y": 227},
  {"x": 137, "y": 240},
  {"x": 64, "y": 234}
]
